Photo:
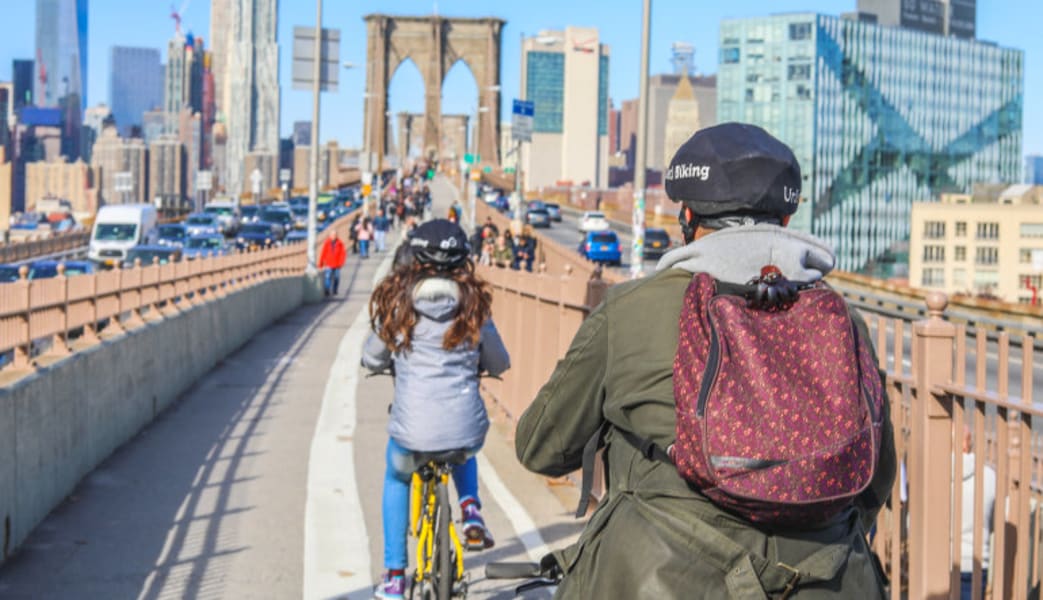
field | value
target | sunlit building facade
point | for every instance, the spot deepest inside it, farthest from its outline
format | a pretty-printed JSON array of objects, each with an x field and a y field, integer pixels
[{"x": 879, "y": 117}]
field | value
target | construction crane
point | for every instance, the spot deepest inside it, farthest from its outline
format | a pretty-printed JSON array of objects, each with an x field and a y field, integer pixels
[{"x": 176, "y": 14}]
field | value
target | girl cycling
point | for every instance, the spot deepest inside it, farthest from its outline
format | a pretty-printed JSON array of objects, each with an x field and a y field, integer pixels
[{"x": 431, "y": 317}]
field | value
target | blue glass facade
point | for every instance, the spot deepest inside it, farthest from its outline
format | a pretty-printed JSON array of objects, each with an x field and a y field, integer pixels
[
  {"x": 61, "y": 44},
  {"x": 1034, "y": 170},
  {"x": 545, "y": 88},
  {"x": 879, "y": 117},
  {"x": 135, "y": 85}
]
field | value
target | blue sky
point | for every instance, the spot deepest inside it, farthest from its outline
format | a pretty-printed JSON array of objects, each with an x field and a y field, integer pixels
[{"x": 1012, "y": 23}]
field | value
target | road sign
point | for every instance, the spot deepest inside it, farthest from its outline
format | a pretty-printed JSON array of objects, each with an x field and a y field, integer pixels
[
  {"x": 471, "y": 158},
  {"x": 487, "y": 169},
  {"x": 367, "y": 189},
  {"x": 285, "y": 175},
  {"x": 204, "y": 181},
  {"x": 304, "y": 59},
  {"x": 256, "y": 178},
  {"x": 521, "y": 120},
  {"x": 476, "y": 175},
  {"x": 508, "y": 170}
]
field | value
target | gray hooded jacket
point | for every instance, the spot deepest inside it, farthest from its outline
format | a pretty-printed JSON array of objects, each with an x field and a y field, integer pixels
[
  {"x": 437, "y": 406},
  {"x": 736, "y": 254}
]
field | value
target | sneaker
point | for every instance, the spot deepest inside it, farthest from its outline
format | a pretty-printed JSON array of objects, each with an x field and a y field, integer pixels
[
  {"x": 392, "y": 587},
  {"x": 476, "y": 536}
]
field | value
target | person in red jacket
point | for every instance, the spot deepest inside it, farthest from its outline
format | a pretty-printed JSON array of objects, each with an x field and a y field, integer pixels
[{"x": 330, "y": 261}]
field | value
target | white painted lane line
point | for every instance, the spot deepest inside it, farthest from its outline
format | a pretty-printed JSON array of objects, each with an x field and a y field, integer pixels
[
  {"x": 523, "y": 525},
  {"x": 336, "y": 545}
]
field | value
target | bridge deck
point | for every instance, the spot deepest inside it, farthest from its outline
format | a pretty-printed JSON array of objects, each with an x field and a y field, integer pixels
[{"x": 264, "y": 481}]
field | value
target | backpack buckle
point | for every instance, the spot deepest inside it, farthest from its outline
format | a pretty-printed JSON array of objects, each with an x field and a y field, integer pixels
[{"x": 791, "y": 585}]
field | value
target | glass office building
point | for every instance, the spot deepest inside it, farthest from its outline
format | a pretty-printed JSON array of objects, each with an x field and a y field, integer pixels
[
  {"x": 61, "y": 52},
  {"x": 879, "y": 117}
]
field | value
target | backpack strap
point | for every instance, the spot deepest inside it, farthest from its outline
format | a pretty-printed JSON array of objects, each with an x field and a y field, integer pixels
[{"x": 590, "y": 451}]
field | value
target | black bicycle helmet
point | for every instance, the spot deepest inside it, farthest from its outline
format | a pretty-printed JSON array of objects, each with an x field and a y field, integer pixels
[{"x": 440, "y": 243}]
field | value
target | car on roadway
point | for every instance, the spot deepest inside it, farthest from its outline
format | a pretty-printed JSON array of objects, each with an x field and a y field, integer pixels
[
  {"x": 300, "y": 216},
  {"x": 202, "y": 224},
  {"x": 202, "y": 246},
  {"x": 151, "y": 253},
  {"x": 297, "y": 235},
  {"x": 227, "y": 214},
  {"x": 534, "y": 204},
  {"x": 593, "y": 220},
  {"x": 118, "y": 228},
  {"x": 248, "y": 213},
  {"x": 256, "y": 235},
  {"x": 8, "y": 273},
  {"x": 657, "y": 243},
  {"x": 46, "y": 269},
  {"x": 280, "y": 219},
  {"x": 554, "y": 210},
  {"x": 172, "y": 234},
  {"x": 601, "y": 246},
  {"x": 537, "y": 217}
]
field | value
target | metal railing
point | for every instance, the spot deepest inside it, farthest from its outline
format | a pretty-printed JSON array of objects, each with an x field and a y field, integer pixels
[
  {"x": 17, "y": 251},
  {"x": 52, "y": 312}
]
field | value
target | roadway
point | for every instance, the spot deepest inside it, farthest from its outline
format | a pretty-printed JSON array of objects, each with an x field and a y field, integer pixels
[{"x": 264, "y": 481}]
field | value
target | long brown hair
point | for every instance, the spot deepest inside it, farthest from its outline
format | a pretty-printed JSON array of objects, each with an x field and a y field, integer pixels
[{"x": 393, "y": 317}]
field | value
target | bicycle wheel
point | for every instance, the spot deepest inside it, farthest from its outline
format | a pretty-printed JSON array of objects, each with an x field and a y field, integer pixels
[{"x": 444, "y": 563}]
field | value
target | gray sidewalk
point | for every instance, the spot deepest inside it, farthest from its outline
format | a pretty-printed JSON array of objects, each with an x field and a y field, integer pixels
[{"x": 210, "y": 501}]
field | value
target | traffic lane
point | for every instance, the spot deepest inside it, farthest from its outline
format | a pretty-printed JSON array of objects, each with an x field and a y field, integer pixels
[{"x": 568, "y": 235}]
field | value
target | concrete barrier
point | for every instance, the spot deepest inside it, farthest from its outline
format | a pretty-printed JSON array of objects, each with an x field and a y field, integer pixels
[{"x": 61, "y": 422}]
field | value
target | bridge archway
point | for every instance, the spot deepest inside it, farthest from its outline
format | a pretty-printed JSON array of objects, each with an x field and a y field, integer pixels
[{"x": 435, "y": 44}]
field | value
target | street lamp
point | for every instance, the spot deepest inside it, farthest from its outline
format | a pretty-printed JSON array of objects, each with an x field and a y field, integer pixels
[{"x": 637, "y": 249}]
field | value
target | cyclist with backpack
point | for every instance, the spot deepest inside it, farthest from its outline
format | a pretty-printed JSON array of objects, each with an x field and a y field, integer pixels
[
  {"x": 746, "y": 435},
  {"x": 431, "y": 320}
]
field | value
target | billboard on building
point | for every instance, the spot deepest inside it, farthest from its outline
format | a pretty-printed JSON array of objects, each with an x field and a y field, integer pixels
[{"x": 924, "y": 15}]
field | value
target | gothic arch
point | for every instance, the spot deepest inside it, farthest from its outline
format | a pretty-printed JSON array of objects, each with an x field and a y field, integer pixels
[{"x": 434, "y": 44}]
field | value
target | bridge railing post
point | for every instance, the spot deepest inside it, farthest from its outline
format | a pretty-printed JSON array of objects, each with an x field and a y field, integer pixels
[{"x": 931, "y": 458}]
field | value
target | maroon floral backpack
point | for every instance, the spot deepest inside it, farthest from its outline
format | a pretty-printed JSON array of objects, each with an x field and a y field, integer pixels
[{"x": 779, "y": 402}]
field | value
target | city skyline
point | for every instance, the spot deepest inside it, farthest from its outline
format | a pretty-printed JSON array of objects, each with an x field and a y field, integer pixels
[{"x": 618, "y": 23}]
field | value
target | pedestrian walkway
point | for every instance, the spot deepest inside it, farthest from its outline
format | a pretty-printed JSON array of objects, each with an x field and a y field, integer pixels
[{"x": 264, "y": 480}]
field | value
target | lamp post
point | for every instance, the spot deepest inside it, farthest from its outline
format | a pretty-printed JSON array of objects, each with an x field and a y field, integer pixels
[
  {"x": 313, "y": 181},
  {"x": 637, "y": 254}
]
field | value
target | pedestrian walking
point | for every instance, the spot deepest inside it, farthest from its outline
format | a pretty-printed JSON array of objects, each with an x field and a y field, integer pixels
[
  {"x": 380, "y": 231},
  {"x": 331, "y": 260},
  {"x": 364, "y": 233}
]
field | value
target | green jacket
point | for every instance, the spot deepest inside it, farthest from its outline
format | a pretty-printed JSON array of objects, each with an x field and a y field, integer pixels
[{"x": 653, "y": 536}]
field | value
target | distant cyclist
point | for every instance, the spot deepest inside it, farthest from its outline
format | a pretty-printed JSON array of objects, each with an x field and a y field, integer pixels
[{"x": 431, "y": 319}]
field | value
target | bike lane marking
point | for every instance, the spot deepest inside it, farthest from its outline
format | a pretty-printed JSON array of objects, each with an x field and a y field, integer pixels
[
  {"x": 336, "y": 545},
  {"x": 525, "y": 528}
]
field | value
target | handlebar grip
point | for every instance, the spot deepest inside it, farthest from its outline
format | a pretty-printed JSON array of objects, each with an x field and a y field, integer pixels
[{"x": 512, "y": 570}]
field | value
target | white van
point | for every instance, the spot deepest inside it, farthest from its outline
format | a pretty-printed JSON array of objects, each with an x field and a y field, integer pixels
[{"x": 120, "y": 227}]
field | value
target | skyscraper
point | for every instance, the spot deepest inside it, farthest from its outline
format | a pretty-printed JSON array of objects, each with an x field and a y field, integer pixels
[
  {"x": 113, "y": 154},
  {"x": 565, "y": 74},
  {"x": 23, "y": 83},
  {"x": 1034, "y": 169},
  {"x": 247, "y": 82},
  {"x": 61, "y": 52},
  {"x": 682, "y": 57},
  {"x": 943, "y": 17},
  {"x": 879, "y": 118},
  {"x": 135, "y": 85}
]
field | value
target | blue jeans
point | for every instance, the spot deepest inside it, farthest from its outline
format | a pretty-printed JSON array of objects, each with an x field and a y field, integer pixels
[
  {"x": 332, "y": 280},
  {"x": 364, "y": 248},
  {"x": 967, "y": 584},
  {"x": 397, "y": 478}
]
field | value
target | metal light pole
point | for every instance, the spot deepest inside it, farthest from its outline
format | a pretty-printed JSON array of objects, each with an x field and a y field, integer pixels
[
  {"x": 313, "y": 183},
  {"x": 637, "y": 249}
]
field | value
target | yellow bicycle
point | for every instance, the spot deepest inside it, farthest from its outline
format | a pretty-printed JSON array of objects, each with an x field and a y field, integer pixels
[{"x": 439, "y": 552}]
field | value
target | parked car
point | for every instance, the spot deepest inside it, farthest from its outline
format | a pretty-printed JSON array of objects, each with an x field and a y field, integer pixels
[
  {"x": 46, "y": 269},
  {"x": 202, "y": 224},
  {"x": 593, "y": 221},
  {"x": 554, "y": 211},
  {"x": 172, "y": 234},
  {"x": 256, "y": 235},
  {"x": 657, "y": 243},
  {"x": 227, "y": 214},
  {"x": 200, "y": 246},
  {"x": 538, "y": 217},
  {"x": 281, "y": 220},
  {"x": 150, "y": 253},
  {"x": 601, "y": 246},
  {"x": 8, "y": 273},
  {"x": 118, "y": 228}
]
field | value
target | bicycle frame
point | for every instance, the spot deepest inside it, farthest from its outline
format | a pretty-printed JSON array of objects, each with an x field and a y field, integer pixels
[{"x": 423, "y": 505}]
